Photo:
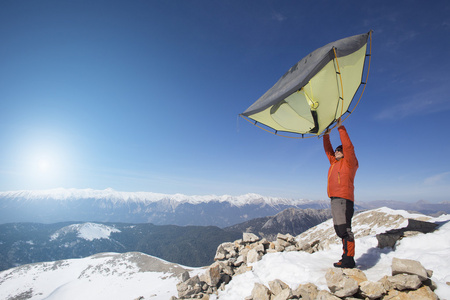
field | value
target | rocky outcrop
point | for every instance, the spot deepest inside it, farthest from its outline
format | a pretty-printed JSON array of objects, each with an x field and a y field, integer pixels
[
  {"x": 390, "y": 238},
  {"x": 233, "y": 258},
  {"x": 366, "y": 223},
  {"x": 409, "y": 280}
]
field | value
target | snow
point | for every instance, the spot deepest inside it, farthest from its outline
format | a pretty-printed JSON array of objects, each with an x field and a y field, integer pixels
[
  {"x": 106, "y": 276},
  {"x": 102, "y": 277},
  {"x": 295, "y": 268},
  {"x": 63, "y": 194},
  {"x": 88, "y": 231}
]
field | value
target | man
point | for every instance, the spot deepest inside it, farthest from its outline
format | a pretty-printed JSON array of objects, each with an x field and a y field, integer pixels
[{"x": 341, "y": 175}]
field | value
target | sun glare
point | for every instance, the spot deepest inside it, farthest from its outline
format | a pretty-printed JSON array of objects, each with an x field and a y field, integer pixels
[
  {"x": 43, "y": 161},
  {"x": 43, "y": 165}
]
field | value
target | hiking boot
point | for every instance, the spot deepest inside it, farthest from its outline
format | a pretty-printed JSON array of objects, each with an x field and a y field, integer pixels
[{"x": 347, "y": 262}]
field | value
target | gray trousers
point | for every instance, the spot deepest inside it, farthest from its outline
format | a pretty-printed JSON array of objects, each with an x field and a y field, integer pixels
[{"x": 342, "y": 211}]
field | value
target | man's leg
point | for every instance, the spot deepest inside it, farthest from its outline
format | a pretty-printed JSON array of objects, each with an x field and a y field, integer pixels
[{"x": 342, "y": 212}]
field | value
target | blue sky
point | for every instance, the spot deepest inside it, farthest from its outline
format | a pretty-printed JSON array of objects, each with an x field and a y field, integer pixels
[{"x": 145, "y": 96}]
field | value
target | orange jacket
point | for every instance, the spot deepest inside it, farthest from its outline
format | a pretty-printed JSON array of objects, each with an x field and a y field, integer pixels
[{"x": 342, "y": 172}]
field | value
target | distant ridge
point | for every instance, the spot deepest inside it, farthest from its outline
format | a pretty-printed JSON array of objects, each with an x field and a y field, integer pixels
[
  {"x": 146, "y": 197},
  {"x": 88, "y": 205}
]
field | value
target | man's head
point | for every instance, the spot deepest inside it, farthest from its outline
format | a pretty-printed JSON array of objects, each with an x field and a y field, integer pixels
[{"x": 338, "y": 154}]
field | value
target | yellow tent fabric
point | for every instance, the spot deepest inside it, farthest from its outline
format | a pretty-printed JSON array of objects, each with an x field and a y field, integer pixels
[{"x": 316, "y": 91}]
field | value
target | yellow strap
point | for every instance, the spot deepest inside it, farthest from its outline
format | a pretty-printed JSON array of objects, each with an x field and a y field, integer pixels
[{"x": 340, "y": 78}]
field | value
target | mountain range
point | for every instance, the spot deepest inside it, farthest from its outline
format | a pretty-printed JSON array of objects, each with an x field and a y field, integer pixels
[
  {"x": 291, "y": 220},
  {"x": 135, "y": 275},
  {"x": 195, "y": 246},
  {"x": 88, "y": 205},
  {"x": 24, "y": 243},
  {"x": 62, "y": 205}
]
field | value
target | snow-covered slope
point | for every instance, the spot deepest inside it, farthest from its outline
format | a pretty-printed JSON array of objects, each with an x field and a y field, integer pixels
[
  {"x": 131, "y": 275},
  {"x": 88, "y": 231},
  {"x": 102, "y": 276}
]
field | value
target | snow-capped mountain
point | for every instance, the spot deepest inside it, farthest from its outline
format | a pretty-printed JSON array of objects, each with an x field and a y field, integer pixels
[
  {"x": 145, "y": 197},
  {"x": 88, "y": 231},
  {"x": 133, "y": 275},
  {"x": 60, "y": 205}
]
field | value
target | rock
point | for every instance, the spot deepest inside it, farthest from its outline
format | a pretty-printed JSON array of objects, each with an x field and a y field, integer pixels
[
  {"x": 326, "y": 295},
  {"x": 386, "y": 283},
  {"x": 240, "y": 260},
  {"x": 260, "y": 248},
  {"x": 340, "y": 284},
  {"x": 372, "y": 290},
  {"x": 421, "y": 226},
  {"x": 242, "y": 269},
  {"x": 423, "y": 293},
  {"x": 184, "y": 276},
  {"x": 249, "y": 237},
  {"x": 430, "y": 283},
  {"x": 225, "y": 250},
  {"x": 412, "y": 267},
  {"x": 285, "y": 294},
  {"x": 260, "y": 292},
  {"x": 212, "y": 274},
  {"x": 253, "y": 256},
  {"x": 355, "y": 274},
  {"x": 389, "y": 238},
  {"x": 306, "y": 291},
  {"x": 189, "y": 287},
  {"x": 405, "y": 282},
  {"x": 291, "y": 248},
  {"x": 277, "y": 286},
  {"x": 286, "y": 237}
]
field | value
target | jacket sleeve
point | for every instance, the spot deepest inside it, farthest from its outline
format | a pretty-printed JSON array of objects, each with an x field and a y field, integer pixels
[
  {"x": 347, "y": 147},
  {"x": 328, "y": 148}
]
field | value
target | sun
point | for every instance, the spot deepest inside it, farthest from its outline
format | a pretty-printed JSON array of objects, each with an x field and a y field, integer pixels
[{"x": 43, "y": 165}]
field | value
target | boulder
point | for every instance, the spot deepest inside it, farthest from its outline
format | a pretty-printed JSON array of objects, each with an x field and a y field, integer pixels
[
  {"x": 249, "y": 237},
  {"x": 372, "y": 290},
  {"x": 423, "y": 293},
  {"x": 306, "y": 291},
  {"x": 260, "y": 292},
  {"x": 355, "y": 274},
  {"x": 277, "y": 286},
  {"x": 189, "y": 287},
  {"x": 326, "y": 295},
  {"x": 225, "y": 250},
  {"x": 284, "y": 295},
  {"x": 389, "y": 238},
  {"x": 212, "y": 274},
  {"x": 253, "y": 256},
  {"x": 340, "y": 284},
  {"x": 405, "y": 282},
  {"x": 407, "y": 266}
]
